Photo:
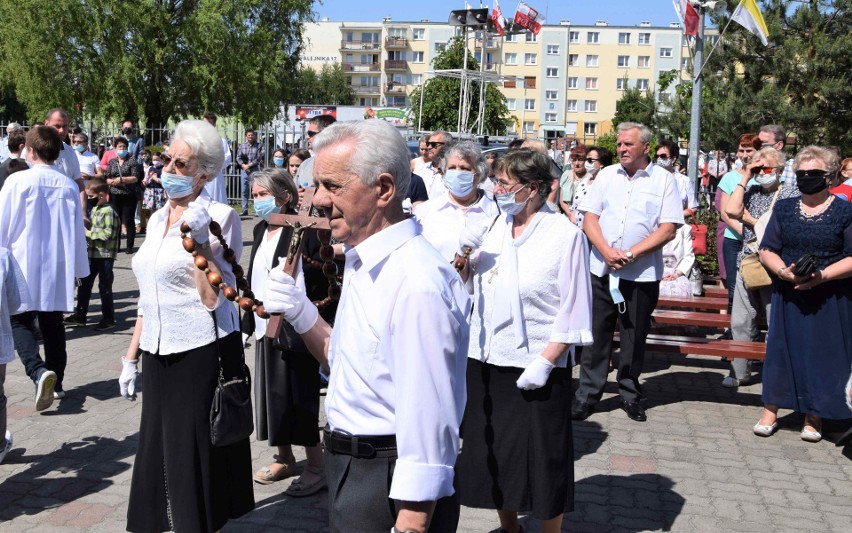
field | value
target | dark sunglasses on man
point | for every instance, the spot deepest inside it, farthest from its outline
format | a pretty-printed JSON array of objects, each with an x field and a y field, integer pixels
[{"x": 434, "y": 144}]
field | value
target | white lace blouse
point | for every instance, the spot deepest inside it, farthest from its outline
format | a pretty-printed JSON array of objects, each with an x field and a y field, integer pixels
[
  {"x": 552, "y": 280},
  {"x": 174, "y": 318}
]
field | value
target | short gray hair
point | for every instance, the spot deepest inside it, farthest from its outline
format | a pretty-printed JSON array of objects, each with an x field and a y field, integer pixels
[
  {"x": 644, "y": 132},
  {"x": 447, "y": 135},
  {"x": 13, "y": 126},
  {"x": 828, "y": 156},
  {"x": 378, "y": 148},
  {"x": 779, "y": 134},
  {"x": 279, "y": 183},
  {"x": 205, "y": 144},
  {"x": 471, "y": 154}
]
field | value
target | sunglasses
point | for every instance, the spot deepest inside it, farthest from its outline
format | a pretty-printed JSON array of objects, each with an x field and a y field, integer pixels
[
  {"x": 813, "y": 173},
  {"x": 179, "y": 163},
  {"x": 434, "y": 144},
  {"x": 591, "y": 160},
  {"x": 664, "y": 157},
  {"x": 312, "y": 133},
  {"x": 765, "y": 170}
]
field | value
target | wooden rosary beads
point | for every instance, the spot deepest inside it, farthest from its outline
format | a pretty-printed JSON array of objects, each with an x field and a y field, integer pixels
[
  {"x": 329, "y": 269},
  {"x": 247, "y": 303}
]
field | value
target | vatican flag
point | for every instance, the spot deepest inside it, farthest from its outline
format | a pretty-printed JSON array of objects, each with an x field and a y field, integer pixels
[{"x": 748, "y": 16}]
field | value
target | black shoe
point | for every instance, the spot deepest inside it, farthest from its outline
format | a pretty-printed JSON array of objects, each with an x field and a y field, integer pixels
[
  {"x": 244, "y": 214},
  {"x": 727, "y": 335},
  {"x": 74, "y": 320},
  {"x": 580, "y": 410},
  {"x": 103, "y": 326},
  {"x": 634, "y": 411}
]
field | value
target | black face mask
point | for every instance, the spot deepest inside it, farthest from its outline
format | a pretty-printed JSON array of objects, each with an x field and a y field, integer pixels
[
  {"x": 811, "y": 184},
  {"x": 127, "y": 131},
  {"x": 91, "y": 203}
]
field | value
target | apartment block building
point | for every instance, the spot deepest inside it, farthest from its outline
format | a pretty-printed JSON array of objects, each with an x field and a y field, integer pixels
[{"x": 565, "y": 81}]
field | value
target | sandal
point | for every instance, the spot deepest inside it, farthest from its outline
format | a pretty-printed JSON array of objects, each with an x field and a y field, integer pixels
[
  {"x": 298, "y": 489},
  {"x": 265, "y": 476}
]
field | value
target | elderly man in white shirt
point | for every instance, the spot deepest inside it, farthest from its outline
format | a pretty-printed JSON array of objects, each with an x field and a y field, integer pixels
[
  {"x": 632, "y": 211},
  {"x": 41, "y": 223},
  {"x": 430, "y": 173},
  {"x": 397, "y": 354}
]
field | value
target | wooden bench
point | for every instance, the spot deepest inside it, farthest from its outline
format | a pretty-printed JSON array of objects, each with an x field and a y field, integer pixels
[
  {"x": 715, "y": 292},
  {"x": 691, "y": 318},
  {"x": 695, "y": 302},
  {"x": 702, "y": 346}
]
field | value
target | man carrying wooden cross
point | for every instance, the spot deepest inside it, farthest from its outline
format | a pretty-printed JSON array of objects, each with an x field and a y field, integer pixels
[{"x": 397, "y": 355}]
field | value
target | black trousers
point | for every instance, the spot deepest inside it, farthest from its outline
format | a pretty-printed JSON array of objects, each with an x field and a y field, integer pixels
[
  {"x": 102, "y": 269},
  {"x": 640, "y": 300},
  {"x": 358, "y": 496},
  {"x": 125, "y": 206}
]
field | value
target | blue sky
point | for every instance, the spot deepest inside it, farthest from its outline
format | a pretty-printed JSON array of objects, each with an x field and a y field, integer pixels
[{"x": 579, "y": 12}]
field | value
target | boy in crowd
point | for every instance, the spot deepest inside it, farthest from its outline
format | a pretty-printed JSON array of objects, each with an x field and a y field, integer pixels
[{"x": 102, "y": 241}]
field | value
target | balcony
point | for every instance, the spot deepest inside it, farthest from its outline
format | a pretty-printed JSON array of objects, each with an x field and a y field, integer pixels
[
  {"x": 491, "y": 67},
  {"x": 360, "y": 45},
  {"x": 392, "y": 41},
  {"x": 393, "y": 87},
  {"x": 490, "y": 44},
  {"x": 368, "y": 90},
  {"x": 361, "y": 67},
  {"x": 396, "y": 64}
]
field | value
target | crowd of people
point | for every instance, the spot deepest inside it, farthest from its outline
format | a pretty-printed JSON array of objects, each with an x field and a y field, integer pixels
[{"x": 471, "y": 286}]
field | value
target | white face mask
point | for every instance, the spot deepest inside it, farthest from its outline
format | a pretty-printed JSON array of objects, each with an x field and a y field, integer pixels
[
  {"x": 590, "y": 168},
  {"x": 766, "y": 180}
]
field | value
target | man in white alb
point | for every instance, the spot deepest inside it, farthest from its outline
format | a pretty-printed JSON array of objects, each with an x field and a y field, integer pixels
[{"x": 397, "y": 355}]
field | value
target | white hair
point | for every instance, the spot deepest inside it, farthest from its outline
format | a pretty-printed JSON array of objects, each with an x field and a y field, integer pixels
[
  {"x": 470, "y": 153},
  {"x": 644, "y": 132},
  {"x": 378, "y": 149},
  {"x": 205, "y": 144}
]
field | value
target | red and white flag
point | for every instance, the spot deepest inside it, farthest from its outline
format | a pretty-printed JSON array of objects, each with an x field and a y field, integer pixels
[
  {"x": 529, "y": 18},
  {"x": 687, "y": 15},
  {"x": 497, "y": 18}
]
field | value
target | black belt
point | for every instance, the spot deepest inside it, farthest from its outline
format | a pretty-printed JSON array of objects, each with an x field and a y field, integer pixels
[{"x": 358, "y": 446}]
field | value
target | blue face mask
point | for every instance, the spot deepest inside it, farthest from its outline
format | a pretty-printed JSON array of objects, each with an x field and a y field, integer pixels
[
  {"x": 506, "y": 202},
  {"x": 175, "y": 185},
  {"x": 459, "y": 182},
  {"x": 121, "y": 153},
  {"x": 266, "y": 207},
  {"x": 279, "y": 161},
  {"x": 80, "y": 148}
]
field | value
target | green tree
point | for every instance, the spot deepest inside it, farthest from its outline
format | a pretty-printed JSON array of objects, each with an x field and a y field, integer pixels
[
  {"x": 157, "y": 59},
  {"x": 636, "y": 106},
  {"x": 441, "y": 102},
  {"x": 328, "y": 87}
]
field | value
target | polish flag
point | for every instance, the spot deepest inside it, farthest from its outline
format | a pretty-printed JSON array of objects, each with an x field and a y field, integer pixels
[
  {"x": 497, "y": 18},
  {"x": 529, "y": 18}
]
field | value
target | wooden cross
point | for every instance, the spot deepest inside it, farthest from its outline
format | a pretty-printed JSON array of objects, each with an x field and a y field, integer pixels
[{"x": 301, "y": 222}]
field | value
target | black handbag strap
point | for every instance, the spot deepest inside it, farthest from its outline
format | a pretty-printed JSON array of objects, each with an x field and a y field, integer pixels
[{"x": 219, "y": 353}]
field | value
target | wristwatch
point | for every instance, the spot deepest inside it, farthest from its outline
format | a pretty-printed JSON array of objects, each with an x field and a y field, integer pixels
[{"x": 630, "y": 257}]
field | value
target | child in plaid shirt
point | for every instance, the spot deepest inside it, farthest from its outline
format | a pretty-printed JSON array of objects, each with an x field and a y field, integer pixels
[{"x": 102, "y": 239}]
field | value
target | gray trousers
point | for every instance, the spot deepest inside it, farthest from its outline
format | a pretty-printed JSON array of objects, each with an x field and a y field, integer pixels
[
  {"x": 2, "y": 406},
  {"x": 748, "y": 306}
]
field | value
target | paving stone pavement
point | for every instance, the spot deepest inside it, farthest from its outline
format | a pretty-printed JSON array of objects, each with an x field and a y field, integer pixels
[{"x": 694, "y": 466}]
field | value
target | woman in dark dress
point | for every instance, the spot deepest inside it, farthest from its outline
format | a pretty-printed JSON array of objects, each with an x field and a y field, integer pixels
[
  {"x": 123, "y": 175},
  {"x": 287, "y": 375},
  {"x": 809, "y": 345}
]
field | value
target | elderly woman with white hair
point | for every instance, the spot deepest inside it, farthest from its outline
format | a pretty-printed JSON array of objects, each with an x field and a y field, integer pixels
[
  {"x": 181, "y": 481},
  {"x": 445, "y": 217}
]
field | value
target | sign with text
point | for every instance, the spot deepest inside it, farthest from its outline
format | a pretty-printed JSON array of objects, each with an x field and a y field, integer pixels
[{"x": 307, "y": 112}]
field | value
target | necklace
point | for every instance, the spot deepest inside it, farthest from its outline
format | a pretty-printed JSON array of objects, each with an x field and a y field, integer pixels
[{"x": 820, "y": 208}]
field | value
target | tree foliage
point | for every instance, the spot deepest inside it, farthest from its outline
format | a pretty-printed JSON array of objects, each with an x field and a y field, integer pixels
[
  {"x": 328, "y": 87},
  {"x": 157, "y": 59},
  {"x": 636, "y": 106},
  {"x": 441, "y": 98}
]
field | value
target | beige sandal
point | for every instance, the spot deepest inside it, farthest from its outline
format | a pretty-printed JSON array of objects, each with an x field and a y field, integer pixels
[
  {"x": 297, "y": 489},
  {"x": 265, "y": 476}
]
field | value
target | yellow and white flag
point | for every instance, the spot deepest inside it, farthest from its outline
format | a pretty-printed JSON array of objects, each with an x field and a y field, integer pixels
[{"x": 748, "y": 16}]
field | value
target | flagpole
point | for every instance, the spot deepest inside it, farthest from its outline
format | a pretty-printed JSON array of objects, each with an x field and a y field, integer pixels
[{"x": 719, "y": 40}]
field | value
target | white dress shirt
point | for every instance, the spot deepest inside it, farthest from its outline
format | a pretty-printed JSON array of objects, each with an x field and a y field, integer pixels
[
  {"x": 552, "y": 280},
  {"x": 444, "y": 220},
  {"x": 174, "y": 318},
  {"x": 630, "y": 209},
  {"x": 41, "y": 223},
  {"x": 687, "y": 191},
  {"x": 397, "y": 356},
  {"x": 14, "y": 299},
  {"x": 88, "y": 161},
  {"x": 215, "y": 187},
  {"x": 433, "y": 180}
]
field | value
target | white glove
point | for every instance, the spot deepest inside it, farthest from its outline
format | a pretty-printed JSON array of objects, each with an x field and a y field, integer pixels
[
  {"x": 127, "y": 380},
  {"x": 472, "y": 236},
  {"x": 536, "y": 374},
  {"x": 283, "y": 296},
  {"x": 198, "y": 220}
]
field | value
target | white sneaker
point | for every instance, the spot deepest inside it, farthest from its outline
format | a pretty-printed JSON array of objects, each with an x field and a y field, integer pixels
[
  {"x": 58, "y": 394},
  {"x": 7, "y": 447},
  {"x": 44, "y": 390}
]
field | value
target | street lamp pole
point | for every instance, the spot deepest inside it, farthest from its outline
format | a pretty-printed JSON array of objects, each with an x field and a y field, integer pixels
[{"x": 697, "y": 83}]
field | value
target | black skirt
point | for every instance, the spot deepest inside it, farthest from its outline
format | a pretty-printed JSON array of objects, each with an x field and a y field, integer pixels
[
  {"x": 286, "y": 391},
  {"x": 181, "y": 481},
  {"x": 517, "y": 449}
]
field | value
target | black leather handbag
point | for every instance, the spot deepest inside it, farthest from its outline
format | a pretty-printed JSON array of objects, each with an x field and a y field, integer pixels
[
  {"x": 805, "y": 265},
  {"x": 231, "y": 418}
]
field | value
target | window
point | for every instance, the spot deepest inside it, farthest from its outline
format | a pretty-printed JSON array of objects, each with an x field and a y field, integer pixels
[
  {"x": 511, "y": 104},
  {"x": 684, "y": 40},
  {"x": 530, "y": 59},
  {"x": 531, "y": 37},
  {"x": 550, "y": 117},
  {"x": 396, "y": 101},
  {"x": 593, "y": 37},
  {"x": 416, "y": 79},
  {"x": 417, "y": 57},
  {"x": 571, "y": 105},
  {"x": 572, "y": 83},
  {"x": 684, "y": 63},
  {"x": 644, "y": 38},
  {"x": 591, "y": 83},
  {"x": 511, "y": 59},
  {"x": 551, "y": 95},
  {"x": 623, "y": 61},
  {"x": 529, "y": 104},
  {"x": 591, "y": 106},
  {"x": 574, "y": 37},
  {"x": 529, "y": 127},
  {"x": 529, "y": 82},
  {"x": 644, "y": 62},
  {"x": 553, "y": 49},
  {"x": 572, "y": 60},
  {"x": 620, "y": 84},
  {"x": 367, "y": 102},
  {"x": 439, "y": 47},
  {"x": 623, "y": 38},
  {"x": 552, "y": 72},
  {"x": 513, "y": 38},
  {"x": 666, "y": 52},
  {"x": 591, "y": 61},
  {"x": 418, "y": 34},
  {"x": 642, "y": 84},
  {"x": 590, "y": 128}
]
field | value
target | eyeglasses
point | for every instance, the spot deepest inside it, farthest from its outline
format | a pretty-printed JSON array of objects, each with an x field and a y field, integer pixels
[
  {"x": 813, "y": 173},
  {"x": 664, "y": 157},
  {"x": 434, "y": 144},
  {"x": 311, "y": 134},
  {"x": 591, "y": 160},
  {"x": 179, "y": 163},
  {"x": 506, "y": 188}
]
